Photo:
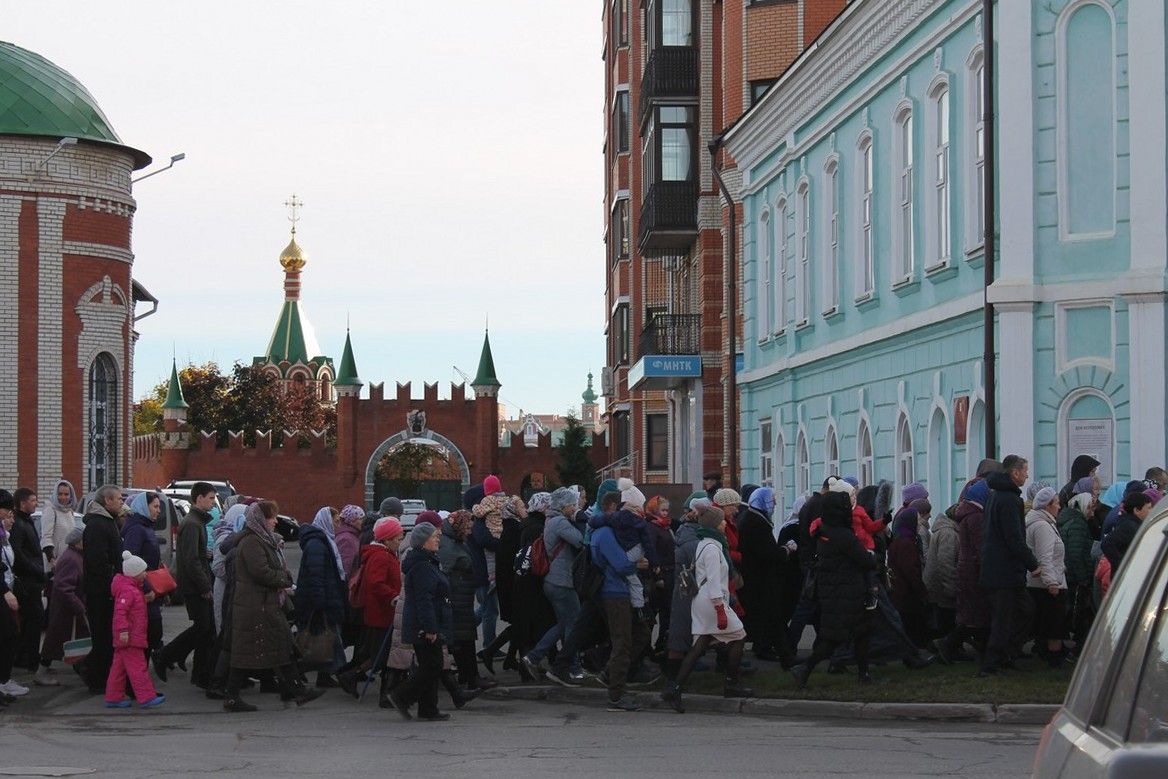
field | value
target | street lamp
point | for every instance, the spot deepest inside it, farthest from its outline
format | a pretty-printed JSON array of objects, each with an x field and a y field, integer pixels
[
  {"x": 61, "y": 144},
  {"x": 176, "y": 158}
]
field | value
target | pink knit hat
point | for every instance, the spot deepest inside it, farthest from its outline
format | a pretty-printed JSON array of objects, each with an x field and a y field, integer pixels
[
  {"x": 491, "y": 485},
  {"x": 387, "y": 527}
]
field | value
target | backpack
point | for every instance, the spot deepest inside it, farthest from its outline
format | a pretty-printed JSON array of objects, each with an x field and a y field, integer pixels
[
  {"x": 687, "y": 581},
  {"x": 537, "y": 559},
  {"x": 587, "y": 578}
]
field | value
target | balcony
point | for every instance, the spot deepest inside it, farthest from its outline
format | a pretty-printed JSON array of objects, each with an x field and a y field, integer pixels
[
  {"x": 669, "y": 217},
  {"x": 670, "y": 353},
  {"x": 671, "y": 72}
]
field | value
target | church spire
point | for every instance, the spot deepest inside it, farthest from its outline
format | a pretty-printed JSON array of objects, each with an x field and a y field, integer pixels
[
  {"x": 347, "y": 375},
  {"x": 486, "y": 373},
  {"x": 589, "y": 396},
  {"x": 174, "y": 394}
]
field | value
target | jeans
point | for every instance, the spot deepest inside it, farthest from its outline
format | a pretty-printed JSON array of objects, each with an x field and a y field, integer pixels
[
  {"x": 487, "y": 614},
  {"x": 587, "y": 630},
  {"x": 566, "y": 604}
]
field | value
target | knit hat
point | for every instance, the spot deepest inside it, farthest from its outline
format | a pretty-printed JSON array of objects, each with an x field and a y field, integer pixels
[
  {"x": 421, "y": 534},
  {"x": 392, "y": 507},
  {"x": 73, "y": 537},
  {"x": 491, "y": 485},
  {"x": 839, "y": 485},
  {"x": 727, "y": 497},
  {"x": 386, "y": 528},
  {"x": 697, "y": 504},
  {"x": 131, "y": 565},
  {"x": 921, "y": 506},
  {"x": 914, "y": 491},
  {"x": 852, "y": 480},
  {"x": 978, "y": 492},
  {"x": 429, "y": 518},
  {"x": 709, "y": 517},
  {"x": 629, "y": 493},
  {"x": 1032, "y": 490},
  {"x": 1044, "y": 497},
  {"x": 565, "y": 498},
  {"x": 688, "y": 504}
]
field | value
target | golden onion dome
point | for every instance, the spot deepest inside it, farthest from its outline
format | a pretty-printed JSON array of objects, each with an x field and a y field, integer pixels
[{"x": 293, "y": 258}]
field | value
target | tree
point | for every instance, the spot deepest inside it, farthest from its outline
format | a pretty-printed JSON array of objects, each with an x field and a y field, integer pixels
[
  {"x": 574, "y": 466},
  {"x": 148, "y": 416},
  {"x": 409, "y": 464}
]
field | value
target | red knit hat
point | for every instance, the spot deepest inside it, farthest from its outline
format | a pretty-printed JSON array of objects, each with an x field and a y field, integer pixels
[
  {"x": 386, "y": 527},
  {"x": 491, "y": 485}
]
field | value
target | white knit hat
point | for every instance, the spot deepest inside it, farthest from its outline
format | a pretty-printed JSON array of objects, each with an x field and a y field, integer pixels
[
  {"x": 839, "y": 485},
  {"x": 131, "y": 565},
  {"x": 630, "y": 495}
]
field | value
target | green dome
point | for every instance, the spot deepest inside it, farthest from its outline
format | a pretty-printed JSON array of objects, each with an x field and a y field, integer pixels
[{"x": 38, "y": 98}]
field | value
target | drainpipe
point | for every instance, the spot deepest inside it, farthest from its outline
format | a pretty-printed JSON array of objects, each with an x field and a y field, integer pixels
[
  {"x": 989, "y": 357},
  {"x": 731, "y": 311}
]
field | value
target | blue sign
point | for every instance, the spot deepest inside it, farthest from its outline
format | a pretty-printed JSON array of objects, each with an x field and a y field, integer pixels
[{"x": 666, "y": 366}]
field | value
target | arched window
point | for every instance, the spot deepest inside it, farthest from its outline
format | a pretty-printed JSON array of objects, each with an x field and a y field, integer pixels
[
  {"x": 864, "y": 458},
  {"x": 904, "y": 248},
  {"x": 831, "y": 235},
  {"x": 905, "y": 473},
  {"x": 975, "y": 156},
  {"x": 865, "y": 253},
  {"x": 780, "y": 286},
  {"x": 939, "y": 208},
  {"x": 803, "y": 248},
  {"x": 766, "y": 462},
  {"x": 780, "y": 476},
  {"x": 831, "y": 452},
  {"x": 802, "y": 465},
  {"x": 326, "y": 387},
  {"x": 104, "y": 412},
  {"x": 765, "y": 268}
]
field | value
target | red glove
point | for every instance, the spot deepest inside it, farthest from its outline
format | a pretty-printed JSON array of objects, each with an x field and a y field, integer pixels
[{"x": 723, "y": 621}]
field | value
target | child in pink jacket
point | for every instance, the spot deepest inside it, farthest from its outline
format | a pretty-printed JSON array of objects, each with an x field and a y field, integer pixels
[{"x": 130, "y": 639}]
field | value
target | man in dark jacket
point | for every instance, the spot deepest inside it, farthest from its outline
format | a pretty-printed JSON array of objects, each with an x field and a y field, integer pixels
[
  {"x": 29, "y": 566},
  {"x": 1005, "y": 561},
  {"x": 195, "y": 583},
  {"x": 102, "y": 553}
]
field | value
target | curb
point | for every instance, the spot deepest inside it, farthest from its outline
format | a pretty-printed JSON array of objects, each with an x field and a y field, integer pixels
[{"x": 1005, "y": 714}]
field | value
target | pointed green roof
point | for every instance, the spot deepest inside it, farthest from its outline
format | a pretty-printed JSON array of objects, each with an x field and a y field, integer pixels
[
  {"x": 486, "y": 374},
  {"x": 293, "y": 340},
  {"x": 174, "y": 393},
  {"x": 347, "y": 375},
  {"x": 589, "y": 395}
]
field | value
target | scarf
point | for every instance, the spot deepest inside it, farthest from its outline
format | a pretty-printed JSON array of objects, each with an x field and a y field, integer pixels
[
  {"x": 461, "y": 523},
  {"x": 353, "y": 516},
  {"x": 705, "y": 532},
  {"x": 71, "y": 506},
  {"x": 540, "y": 501},
  {"x": 762, "y": 500},
  {"x": 140, "y": 505},
  {"x": 324, "y": 521},
  {"x": 255, "y": 521}
]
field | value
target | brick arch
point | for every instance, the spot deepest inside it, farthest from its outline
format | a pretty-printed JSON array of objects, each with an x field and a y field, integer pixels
[{"x": 401, "y": 438}]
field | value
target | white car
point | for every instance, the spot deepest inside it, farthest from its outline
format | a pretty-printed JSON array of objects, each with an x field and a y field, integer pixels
[{"x": 1114, "y": 721}]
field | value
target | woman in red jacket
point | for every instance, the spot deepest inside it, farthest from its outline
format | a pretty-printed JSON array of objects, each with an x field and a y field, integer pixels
[{"x": 381, "y": 583}]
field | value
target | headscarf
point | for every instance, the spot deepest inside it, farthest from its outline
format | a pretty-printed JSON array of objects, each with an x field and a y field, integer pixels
[
  {"x": 1114, "y": 494},
  {"x": 564, "y": 501},
  {"x": 654, "y": 515},
  {"x": 793, "y": 515},
  {"x": 762, "y": 500},
  {"x": 353, "y": 516},
  {"x": 140, "y": 504},
  {"x": 324, "y": 521},
  {"x": 72, "y": 505},
  {"x": 540, "y": 501},
  {"x": 256, "y": 522},
  {"x": 461, "y": 522},
  {"x": 232, "y": 522},
  {"x": 606, "y": 486}
]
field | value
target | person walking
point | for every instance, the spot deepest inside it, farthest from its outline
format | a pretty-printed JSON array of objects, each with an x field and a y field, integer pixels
[
  {"x": 561, "y": 542},
  {"x": 102, "y": 555},
  {"x": 426, "y": 619},
  {"x": 1075, "y": 531},
  {"x": 1049, "y": 588},
  {"x": 260, "y": 637},
  {"x": 29, "y": 566},
  {"x": 140, "y": 540},
  {"x": 320, "y": 587},
  {"x": 906, "y": 569},
  {"x": 1134, "y": 509},
  {"x": 455, "y": 561},
  {"x": 130, "y": 641},
  {"x": 58, "y": 520},
  {"x": 348, "y": 541},
  {"x": 941, "y": 572},
  {"x": 10, "y": 689},
  {"x": 1005, "y": 561},
  {"x": 972, "y": 601},
  {"x": 66, "y": 601},
  {"x": 196, "y": 586},
  {"x": 381, "y": 584},
  {"x": 763, "y": 561},
  {"x": 626, "y": 634},
  {"x": 711, "y": 617}
]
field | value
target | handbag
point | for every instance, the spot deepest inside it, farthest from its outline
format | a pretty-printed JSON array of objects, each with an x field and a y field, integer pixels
[
  {"x": 316, "y": 648},
  {"x": 77, "y": 649},
  {"x": 161, "y": 581}
]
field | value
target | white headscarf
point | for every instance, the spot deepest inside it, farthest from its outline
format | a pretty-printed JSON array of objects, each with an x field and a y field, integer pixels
[{"x": 324, "y": 521}]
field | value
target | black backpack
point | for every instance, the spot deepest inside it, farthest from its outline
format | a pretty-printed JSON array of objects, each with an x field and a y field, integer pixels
[{"x": 587, "y": 577}]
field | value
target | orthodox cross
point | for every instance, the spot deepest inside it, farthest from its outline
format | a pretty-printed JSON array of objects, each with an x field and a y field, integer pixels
[{"x": 294, "y": 205}]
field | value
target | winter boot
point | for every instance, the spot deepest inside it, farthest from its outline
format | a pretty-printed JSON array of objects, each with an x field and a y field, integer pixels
[
  {"x": 732, "y": 688},
  {"x": 672, "y": 695}
]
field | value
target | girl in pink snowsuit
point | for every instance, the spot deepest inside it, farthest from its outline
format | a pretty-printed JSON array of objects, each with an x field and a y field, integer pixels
[{"x": 130, "y": 639}]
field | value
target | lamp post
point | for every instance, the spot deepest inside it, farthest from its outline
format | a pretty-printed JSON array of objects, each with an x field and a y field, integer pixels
[{"x": 176, "y": 158}]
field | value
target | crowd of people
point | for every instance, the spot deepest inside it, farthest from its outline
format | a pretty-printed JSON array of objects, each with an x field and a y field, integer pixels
[{"x": 614, "y": 585}]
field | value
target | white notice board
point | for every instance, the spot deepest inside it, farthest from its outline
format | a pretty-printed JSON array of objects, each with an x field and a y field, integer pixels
[{"x": 1095, "y": 437}]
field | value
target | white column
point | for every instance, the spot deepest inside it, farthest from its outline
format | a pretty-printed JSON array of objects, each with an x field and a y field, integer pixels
[
  {"x": 1149, "y": 127},
  {"x": 50, "y": 297},
  {"x": 1147, "y": 375},
  {"x": 1015, "y": 136},
  {"x": 1015, "y": 380}
]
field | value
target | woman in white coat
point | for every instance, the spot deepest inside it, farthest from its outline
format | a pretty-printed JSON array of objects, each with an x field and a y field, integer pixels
[
  {"x": 711, "y": 617},
  {"x": 57, "y": 520},
  {"x": 1049, "y": 587}
]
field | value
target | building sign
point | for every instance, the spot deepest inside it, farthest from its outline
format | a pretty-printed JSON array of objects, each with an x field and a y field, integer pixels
[
  {"x": 666, "y": 366},
  {"x": 1095, "y": 437},
  {"x": 960, "y": 419}
]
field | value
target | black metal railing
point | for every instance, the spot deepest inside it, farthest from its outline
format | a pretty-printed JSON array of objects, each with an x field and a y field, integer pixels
[
  {"x": 671, "y": 72},
  {"x": 669, "y": 215},
  {"x": 672, "y": 334}
]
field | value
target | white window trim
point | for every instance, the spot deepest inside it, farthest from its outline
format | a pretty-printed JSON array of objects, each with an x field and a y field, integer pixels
[
  {"x": 831, "y": 464},
  {"x": 865, "y": 228},
  {"x": 904, "y": 455},
  {"x": 974, "y": 157},
  {"x": 832, "y": 216},
  {"x": 903, "y": 258},
  {"x": 764, "y": 264},
  {"x": 939, "y": 227},
  {"x": 766, "y": 454},
  {"x": 802, "y": 463},
  {"x": 803, "y": 252},
  {"x": 864, "y": 431},
  {"x": 781, "y": 247}
]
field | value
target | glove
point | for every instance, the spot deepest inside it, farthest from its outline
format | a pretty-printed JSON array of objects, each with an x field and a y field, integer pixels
[
  {"x": 792, "y": 546},
  {"x": 723, "y": 621}
]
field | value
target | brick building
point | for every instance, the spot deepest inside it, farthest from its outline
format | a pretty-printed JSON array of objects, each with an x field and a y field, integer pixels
[
  {"x": 67, "y": 293},
  {"x": 677, "y": 74}
]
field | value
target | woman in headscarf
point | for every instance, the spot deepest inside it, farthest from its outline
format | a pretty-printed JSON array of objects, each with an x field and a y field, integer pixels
[
  {"x": 1083, "y": 466},
  {"x": 348, "y": 541},
  {"x": 140, "y": 540},
  {"x": 231, "y": 523},
  {"x": 227, "y": 535},
  {"x": 1049, "y": 588},
  {"x": 1075, "y": 531},
  {"x": 561, "y": 540},
  {"x": 321, "y": 594},
  {"x": 906, "y": 567},
  {"x": 532, "y": 610},
  {"x": 455, "y": 560},
  {"x": 260, "y": 637},
  {"x": 58, "y": 519},
  {"x": 378, "y": 589},
  {"x": 66, "y": 601},
  {"x": 762, "y": 560},
  {"x": 711, "y": 617}
]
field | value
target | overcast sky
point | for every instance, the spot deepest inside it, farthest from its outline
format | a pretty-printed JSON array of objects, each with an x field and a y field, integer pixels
[{"x": 448, "y": 155}]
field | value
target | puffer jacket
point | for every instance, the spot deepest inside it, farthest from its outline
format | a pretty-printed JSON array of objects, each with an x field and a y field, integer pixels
[
  {"x": 455, "y": 561},
  {"x": 1076, "y": 535},
  {"x": 973, "y": 609},
  {"x": 1043, "y": 538},
  {"x": 941, "y": 563},
  {"x": 319, "y": 586},
  {"x": 129, "y": 612},
  {"x": 381, "y": 583},
  {"x": 427, "y": 596},
  {"x": 839, "y": 575}
]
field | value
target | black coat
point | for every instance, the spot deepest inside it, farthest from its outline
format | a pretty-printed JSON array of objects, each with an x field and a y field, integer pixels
[
  {"x": 427, "y": 595},
  {"x": 28, "y": 563},
  {"x": 1116, "y": 544},
  {"x": 762, "y": 562},
  {"x": 505, "y": 568},
  {"x": 480, "y": 542},
  {"x": 455, "y": 561},
  {"x": 319, "y": 586},
  {"x": 102, "y": 554},
  {"x": 808, "y": 514},
  {"x": 1005, "y": 557},
  {"x": 531, "y": 609},
  {"x": 839, "y": 577}
]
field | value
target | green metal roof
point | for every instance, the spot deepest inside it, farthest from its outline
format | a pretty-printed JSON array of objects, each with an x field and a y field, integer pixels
[
  {"x": 589, "y": 395},
  {"x": 174, "y": 393},
  {"x": 39, "y": 98},
  {"x": 293, "y": 340},
  {"x": 486, "y": 374},
  {"x": 347, "y": 375}
]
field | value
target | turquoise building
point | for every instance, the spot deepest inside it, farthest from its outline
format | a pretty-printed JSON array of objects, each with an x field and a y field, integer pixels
[{"x": 862, "y": 180}]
